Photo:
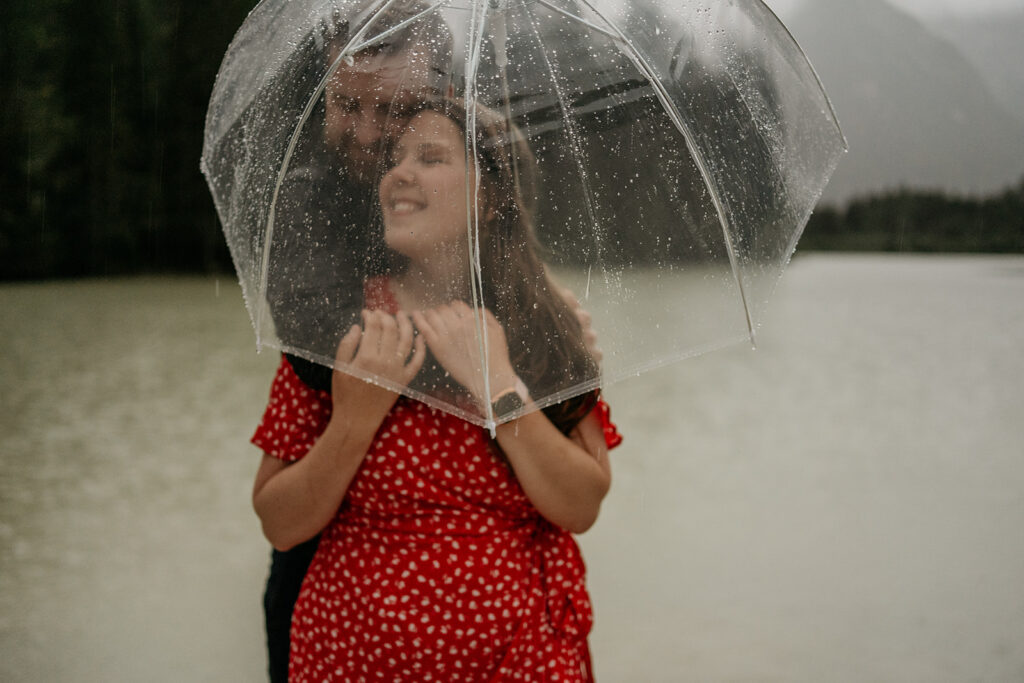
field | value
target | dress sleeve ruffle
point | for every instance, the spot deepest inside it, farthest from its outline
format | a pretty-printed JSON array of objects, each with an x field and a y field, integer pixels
[
  {"x": 295, "y": 417},
  {"x": 612, "y": 438}
]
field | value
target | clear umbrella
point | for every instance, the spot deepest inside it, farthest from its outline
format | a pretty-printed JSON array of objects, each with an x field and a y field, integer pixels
[{"x": 658, "y": 158}]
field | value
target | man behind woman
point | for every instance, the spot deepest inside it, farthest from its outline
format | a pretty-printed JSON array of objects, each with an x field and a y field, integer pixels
[
  {"x": 445, "y": 554},
  {"x": 326, "y": 245}
]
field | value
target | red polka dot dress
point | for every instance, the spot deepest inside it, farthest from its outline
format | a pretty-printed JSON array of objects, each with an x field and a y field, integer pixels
[{"x": 436, "y": 567}]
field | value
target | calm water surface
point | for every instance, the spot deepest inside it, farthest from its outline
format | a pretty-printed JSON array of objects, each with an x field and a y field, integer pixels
[{"x": 844, "y": 504}]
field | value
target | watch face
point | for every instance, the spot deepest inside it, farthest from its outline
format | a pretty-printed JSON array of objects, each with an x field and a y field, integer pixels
[{"x": 507, "y": 404}]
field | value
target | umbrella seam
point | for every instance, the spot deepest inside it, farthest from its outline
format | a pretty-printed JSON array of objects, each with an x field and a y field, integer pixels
[
  {"x": 717, "y": 199},
  {"x": 579, "y": 19},
  {"x": 814, "y": 72},
  {"x": 576, "y": 146},
  {"x": 394, "y": 29},
  {"x": 473, "y": 48}
]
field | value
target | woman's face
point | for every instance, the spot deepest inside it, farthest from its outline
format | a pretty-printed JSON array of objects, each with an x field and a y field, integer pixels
[{"x": 423, "y": 195}]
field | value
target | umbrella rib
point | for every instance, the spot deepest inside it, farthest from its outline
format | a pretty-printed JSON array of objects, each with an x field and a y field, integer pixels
[
  {"x": 581, "y": 20},
  {"x": 576, "y": 147},
  {"x": 474, "y": 45},
  {"x": 814, "y": 73},
  {"x": 673, "y": 112},
  {"x": 394, "y": 29},
  {"x": 268, "y": 235}
]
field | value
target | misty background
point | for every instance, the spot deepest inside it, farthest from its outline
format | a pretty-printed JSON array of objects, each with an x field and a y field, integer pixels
[
  {"x": 844, "y": 505},
  {"x": 104, "y": 105}
]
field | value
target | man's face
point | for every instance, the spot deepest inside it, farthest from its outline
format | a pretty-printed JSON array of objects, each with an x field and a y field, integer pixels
[{"x": 366, "y": 97}]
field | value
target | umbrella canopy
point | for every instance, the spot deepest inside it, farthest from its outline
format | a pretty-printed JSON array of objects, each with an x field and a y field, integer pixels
[{"x": 659, "y": 158}]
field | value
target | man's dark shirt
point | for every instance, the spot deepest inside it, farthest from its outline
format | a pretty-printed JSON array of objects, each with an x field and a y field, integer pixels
[{"x": 324, "y": 245}]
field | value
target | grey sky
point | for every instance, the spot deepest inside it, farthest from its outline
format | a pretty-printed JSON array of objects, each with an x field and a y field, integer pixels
[{"x": 921, "y": 8}]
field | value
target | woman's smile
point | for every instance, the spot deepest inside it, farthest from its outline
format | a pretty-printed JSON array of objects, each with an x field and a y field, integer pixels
[{"x": 402, "y": 207}]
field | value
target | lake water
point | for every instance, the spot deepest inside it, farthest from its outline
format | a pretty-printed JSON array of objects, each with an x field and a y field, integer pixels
[{"x": 844, "y": 504}]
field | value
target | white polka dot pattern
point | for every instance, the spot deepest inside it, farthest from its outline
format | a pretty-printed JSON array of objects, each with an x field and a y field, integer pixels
[{"x": 436, "y": 567}]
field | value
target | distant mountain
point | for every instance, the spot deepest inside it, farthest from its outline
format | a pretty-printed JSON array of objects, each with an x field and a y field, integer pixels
[
  {"x": 916, "y": 112},
  {"x": 994, "y": 43}
]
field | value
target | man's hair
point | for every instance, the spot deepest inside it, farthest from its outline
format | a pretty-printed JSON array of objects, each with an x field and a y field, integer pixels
[{"x": 429, "y": 33}]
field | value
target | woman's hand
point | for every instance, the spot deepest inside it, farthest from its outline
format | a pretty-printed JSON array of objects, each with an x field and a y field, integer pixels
[
  {"x": 451, "y": 334},
  {"x": 295, "y": 502},
  {"x": 381, "y": 348}
]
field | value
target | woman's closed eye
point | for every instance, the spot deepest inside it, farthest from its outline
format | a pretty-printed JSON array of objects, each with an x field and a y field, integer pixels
[
  {"x": 346, "y": 104},
  {"x": 425, "y": 156}
]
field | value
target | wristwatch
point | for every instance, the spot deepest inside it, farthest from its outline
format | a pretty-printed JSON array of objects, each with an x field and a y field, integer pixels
[{"x": 510, "y": 400}]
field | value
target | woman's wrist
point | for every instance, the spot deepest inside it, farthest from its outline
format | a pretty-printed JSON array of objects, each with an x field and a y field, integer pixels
[
  {"x": 512, "y": 385},
  {"x": 512, "y": 398},
  {"x": 358, "y": 417}
]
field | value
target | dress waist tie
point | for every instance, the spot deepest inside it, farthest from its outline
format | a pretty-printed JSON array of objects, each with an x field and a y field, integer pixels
[{"x": 559, "y": 604}]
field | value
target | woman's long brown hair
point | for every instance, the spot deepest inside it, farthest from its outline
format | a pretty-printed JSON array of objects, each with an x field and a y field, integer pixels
[{"x": 545, "y": 337}]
